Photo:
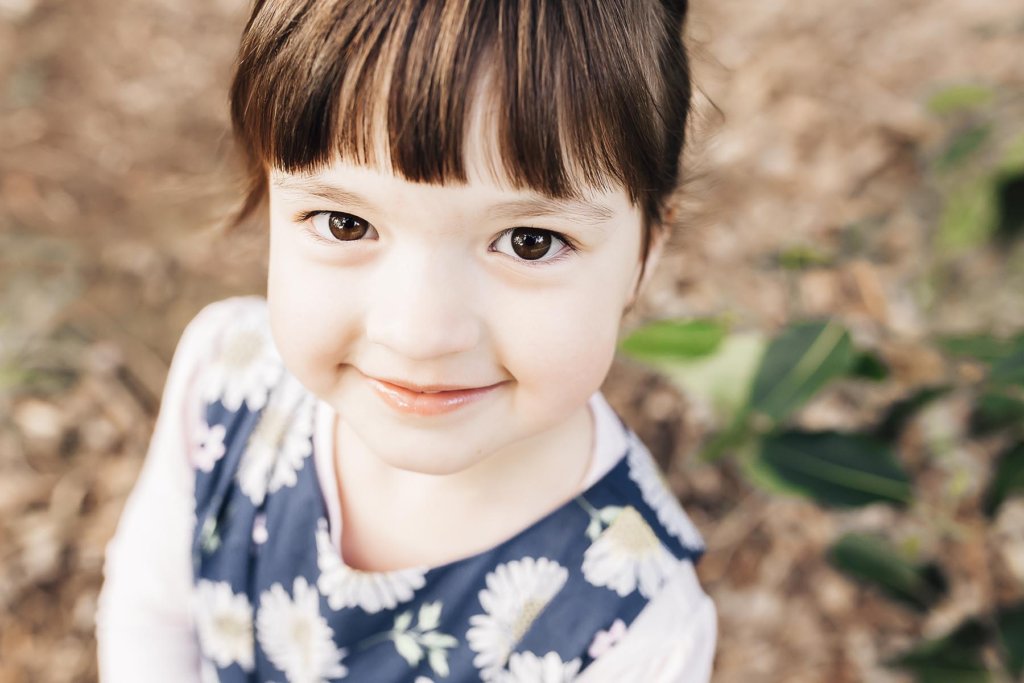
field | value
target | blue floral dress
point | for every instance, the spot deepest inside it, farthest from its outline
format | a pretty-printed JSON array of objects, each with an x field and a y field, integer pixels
[{"x": 274, "y": 601}]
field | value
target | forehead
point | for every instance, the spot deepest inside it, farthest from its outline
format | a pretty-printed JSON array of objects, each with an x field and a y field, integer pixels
[
  {"x": 458, "y": 92},
  {"x": 486, "y": 178},
  {"x": 371, "y": 189}
]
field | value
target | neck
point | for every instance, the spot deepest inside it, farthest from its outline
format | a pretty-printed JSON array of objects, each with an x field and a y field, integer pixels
[{"x": 394, "y": 518}]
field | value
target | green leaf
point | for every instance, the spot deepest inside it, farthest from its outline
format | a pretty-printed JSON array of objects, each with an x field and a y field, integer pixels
[
  {"x": 981, "y": 346},
  {"x": 802, "y": 256},
  {"x": 668, "y": 339},
  {"x": 1007, "y": 480},
  {"x": 954, "y": 658},
  {"x": 871, "y": 560},
  {"x": 900, "y": 412},
  {"x": 970, "y": 216},
  {"x": 1008, "y": 370},
  {"x": 963, "y": 144},
  {"x": 959, "y": 97},
  {"x": 408, "y": 648},
  {"x": 1010, "y": 629},
  {"x": 722, "y": 380},
  {"x": 835, "y": 469},
  {"x": 869, "y": 365},
  {"x": 995, "y": 411},
  {"x": 1010, "y": 205},
  {"x": 797, "y": 364}
]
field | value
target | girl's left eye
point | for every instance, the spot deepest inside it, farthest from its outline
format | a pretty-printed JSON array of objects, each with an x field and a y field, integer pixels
[
  {"x": 337, "y": 226},
  {"x": 534, "y": 244}
]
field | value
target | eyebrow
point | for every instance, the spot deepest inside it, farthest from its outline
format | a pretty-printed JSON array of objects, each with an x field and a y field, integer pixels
[
  {"x": 589, "y": 213},
  {"x": 583, "y": 212},
  {"x": 322, "y": 190}
]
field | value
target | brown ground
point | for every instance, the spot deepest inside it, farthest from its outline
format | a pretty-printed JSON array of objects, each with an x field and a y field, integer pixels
[{"x": 115, "y": 165}]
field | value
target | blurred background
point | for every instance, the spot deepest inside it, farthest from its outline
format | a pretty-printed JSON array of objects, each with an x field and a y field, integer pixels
[{"x": 861, "y": 161}]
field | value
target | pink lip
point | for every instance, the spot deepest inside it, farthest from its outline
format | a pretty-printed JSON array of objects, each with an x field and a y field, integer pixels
[{"x": 415, "y": 402}]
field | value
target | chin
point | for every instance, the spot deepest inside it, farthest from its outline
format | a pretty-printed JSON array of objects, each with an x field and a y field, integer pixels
[{"x": 423, "y": 462}]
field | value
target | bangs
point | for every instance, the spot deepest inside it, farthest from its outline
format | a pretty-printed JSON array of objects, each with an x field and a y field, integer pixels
[{"x": 579, "y": 93}]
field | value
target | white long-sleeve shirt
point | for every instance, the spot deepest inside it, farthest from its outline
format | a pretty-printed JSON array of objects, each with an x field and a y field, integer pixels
[{"x": 145, "y": 626}]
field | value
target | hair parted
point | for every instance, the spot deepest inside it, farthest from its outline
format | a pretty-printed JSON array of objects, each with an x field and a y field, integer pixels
[{"x": 587, "y": 90}]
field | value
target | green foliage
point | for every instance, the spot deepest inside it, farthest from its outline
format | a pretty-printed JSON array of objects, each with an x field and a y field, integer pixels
[
  {"x": 1010, "y": 205},
  {"x": 996, "y": 411},
  {"x": 801, "y": 257},
  {"x": 1007, "y": 481},
  {"x": 983, "y": 347},
  {"x": 720, "y": 380},
  {"x": 959, "y": 97},
  {"x": 770, "y": 381},
  {"x": 963, "y": 146},
  {"x": 871, "y": 560},
  {"x": 836, "y": 470},
  {"x": 1010, "y": 633},
  {"x": 675, "y": 339},
  {"x": 799, "y": 363},
  {"x": 1009, "y": 370},
  {"x": 953, "y": 658},
  {"x": 901, "y": 412},
  {"x": 868, "y": 365},
  {"x": 970, "y": 217}
]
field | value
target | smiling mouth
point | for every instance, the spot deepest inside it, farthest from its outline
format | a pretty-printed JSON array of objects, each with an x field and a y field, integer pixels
[{"x": 430, "y": 399}]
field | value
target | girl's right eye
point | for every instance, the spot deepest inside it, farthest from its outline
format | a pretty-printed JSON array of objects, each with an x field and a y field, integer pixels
[{"x": 337, "y": 226}]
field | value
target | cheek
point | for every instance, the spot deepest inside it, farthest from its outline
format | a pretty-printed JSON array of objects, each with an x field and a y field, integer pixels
[
  {"x": 305, "y": 316},
  {"x": 561, "y": 353}
]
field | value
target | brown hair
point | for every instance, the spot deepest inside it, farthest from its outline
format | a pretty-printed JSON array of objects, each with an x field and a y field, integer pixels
[{"x": 587, "y": 89}]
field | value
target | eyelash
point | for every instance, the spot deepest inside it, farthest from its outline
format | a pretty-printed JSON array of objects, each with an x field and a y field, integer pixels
[{"x": 570, "y": 246}]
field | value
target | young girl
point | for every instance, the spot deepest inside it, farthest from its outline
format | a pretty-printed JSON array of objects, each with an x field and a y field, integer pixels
[{"x": 399, "y": 466}]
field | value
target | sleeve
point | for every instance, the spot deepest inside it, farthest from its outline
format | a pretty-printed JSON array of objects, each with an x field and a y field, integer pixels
[
  {"x": 671, "y": 641},
  {"x": 144, "y": 628}
]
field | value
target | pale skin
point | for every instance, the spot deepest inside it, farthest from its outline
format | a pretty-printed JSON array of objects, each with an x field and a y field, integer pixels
[{"x": 435, "y": 293}]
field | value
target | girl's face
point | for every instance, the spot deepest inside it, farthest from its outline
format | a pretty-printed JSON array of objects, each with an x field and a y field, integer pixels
[{"x": 375, "y": 277}]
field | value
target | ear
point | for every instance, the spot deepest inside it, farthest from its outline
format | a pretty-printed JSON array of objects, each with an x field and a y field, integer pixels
[
  {"x": 658, "y": 239},
  {"x": 657, "y": 247}
]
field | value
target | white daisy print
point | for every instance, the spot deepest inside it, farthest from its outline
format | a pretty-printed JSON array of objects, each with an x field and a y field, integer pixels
[
  {"x": 604, "y": 640},
  {"x": 295, "y": 637},
  {"x": 209, "y": 447},
  {"x": 208, "y": 673},
  {"x": 223, "y": 624},
  {"x": 347, "y": 587},
  {"x": 276, "y": 450},
  {"x": 628, "y": 556},
  {"x": 246, "y": 364},
  {"x": 656, "y": 493},
  {"x": 516, "y": 593},
  {"x": 526, "y": 667}
]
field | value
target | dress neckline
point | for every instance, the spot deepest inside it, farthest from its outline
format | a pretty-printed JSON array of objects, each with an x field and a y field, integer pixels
[{"x": 611, "y": 444}]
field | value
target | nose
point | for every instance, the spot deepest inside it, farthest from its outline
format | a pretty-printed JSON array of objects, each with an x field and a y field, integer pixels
[{"x": 421, "y": 306}]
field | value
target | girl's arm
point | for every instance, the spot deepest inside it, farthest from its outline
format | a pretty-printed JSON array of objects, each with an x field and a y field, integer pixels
[
  {"x": 144, "y": 628},
  {"x": 671, "y": 641}
]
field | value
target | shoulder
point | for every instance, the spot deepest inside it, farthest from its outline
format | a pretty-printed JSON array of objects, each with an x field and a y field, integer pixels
[
  {"x": 230, "y": 350},
  {"x": 662, "y": 501},
  {"x": 671, "y": 641},
  {"x": 218, "y": 316}
]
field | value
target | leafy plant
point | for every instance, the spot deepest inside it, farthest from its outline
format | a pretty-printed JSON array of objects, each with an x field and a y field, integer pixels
[{"x": 850, "y": 469}]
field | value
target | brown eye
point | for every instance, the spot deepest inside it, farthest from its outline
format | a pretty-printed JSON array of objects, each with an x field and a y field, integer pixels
[
  {"x": 345, "y": 226},
  {"x": 338, "y": 226},
  {"x": 531, "y": 244}
]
